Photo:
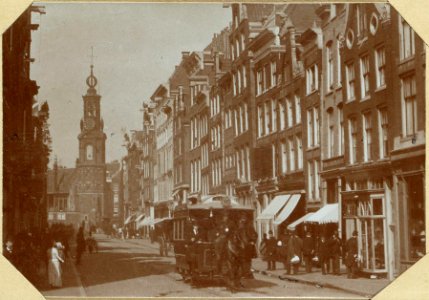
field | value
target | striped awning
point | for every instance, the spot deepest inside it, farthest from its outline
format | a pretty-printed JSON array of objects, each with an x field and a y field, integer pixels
[
  {"x": 287, "y": 209},
  {"x": 140, "y": 217},
  {"x": 274, "y": 207},
  {"x": 129, "y": 219},
  {"x": 327, "y": 214}
]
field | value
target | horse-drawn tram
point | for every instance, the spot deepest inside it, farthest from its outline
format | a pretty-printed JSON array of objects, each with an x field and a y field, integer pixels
[{"x": 211, "y": 239}]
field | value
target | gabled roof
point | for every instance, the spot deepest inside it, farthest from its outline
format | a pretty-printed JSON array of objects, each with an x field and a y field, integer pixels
[
  {"x": 65, "y": 179},
  {"x": 256, "y": 12},
  {"x": 303, "y": 16},
  {"x": 160, "y": 91}
]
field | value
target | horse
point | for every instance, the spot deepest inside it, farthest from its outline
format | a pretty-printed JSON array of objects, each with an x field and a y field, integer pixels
[{"x": 235, "y": 251}]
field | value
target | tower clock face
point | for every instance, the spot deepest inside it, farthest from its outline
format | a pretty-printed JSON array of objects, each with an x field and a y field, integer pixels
[{"x": 89, "y": 123}]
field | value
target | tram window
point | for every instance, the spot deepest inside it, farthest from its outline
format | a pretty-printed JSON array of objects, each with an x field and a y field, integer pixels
[{"x": 377, "y": 206}]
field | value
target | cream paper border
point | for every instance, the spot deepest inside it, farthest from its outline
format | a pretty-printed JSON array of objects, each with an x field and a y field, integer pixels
[{"x": 412, "y": 284}]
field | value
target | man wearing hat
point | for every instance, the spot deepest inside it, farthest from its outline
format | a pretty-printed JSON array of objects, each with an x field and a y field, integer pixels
[
  {"x": 247, "y": 234},
  {"x": 308, "y": 251},
  {"x": 352, "y": 256},
  {"x": 294, "y": 249},
  {"x": 271, "y": 245}
]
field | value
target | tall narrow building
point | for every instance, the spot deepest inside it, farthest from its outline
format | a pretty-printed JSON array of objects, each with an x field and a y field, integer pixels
[{"x": 91, "y": 162}]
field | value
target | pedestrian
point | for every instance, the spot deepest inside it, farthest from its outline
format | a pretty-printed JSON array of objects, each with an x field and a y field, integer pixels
[
  {"x": 323, "y": 254},
  {"x": 282, "y": 248},
  {"x": 294, "y": 252},
  {"x": 263, "y": 247},
  {"x": 80, "y": 245},
  {"x": 308, "y": 251},
  {"x": 8, "y": 251},
  {"x": 352, "y": 256},
  {"x": 271, "y": 245},
  {"x": 248, "y": 235},
  {"x": 223, "y": 230},
  {"x": 61, "y": 249},
  {"x": 54, "y": 267},
  {"x": 335, "y": 252}
]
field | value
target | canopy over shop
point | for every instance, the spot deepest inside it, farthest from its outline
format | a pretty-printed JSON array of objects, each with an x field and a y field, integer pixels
[
  {"x": 280, "y": 211},
  {"x": 325, "y": 220}
]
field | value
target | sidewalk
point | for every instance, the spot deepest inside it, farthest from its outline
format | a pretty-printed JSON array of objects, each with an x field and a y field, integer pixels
[
  {"x": 361, "y": 286},
  {"x": 72, "y": 285}
]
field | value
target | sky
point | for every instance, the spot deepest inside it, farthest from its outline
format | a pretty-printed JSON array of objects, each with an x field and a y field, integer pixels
[{"x": 136, "y": 47}]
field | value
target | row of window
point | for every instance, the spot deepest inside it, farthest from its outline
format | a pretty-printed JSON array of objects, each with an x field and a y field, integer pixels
[
  {"x": 165, "y": 160},
  {"x": 313, "y": 182},
  {"x": 214, "y": 106},
  {"x": 199, "y": 129},
  {"x": 266, "y": 77},
  {"x": 178, "y": 173},
  {"x": 333, "y": 125},
  {"x": 274, "y": 114},
  {"x": 365, "y": 74},
  {"x": 313, "y": 130},
  {"x": 241, "y": 118},
  {"x": 291, "y": 155},
  {"x": 229, "y": 161},
  {"x": 242, "y": 155},
  {"x": 239, "y": 81},
  {"x": 238, "y": 46},
  {"x": 205, "y": 155},
  {"x": 367, "y": 136},
  {"x": 216, "y": 137},
  {"x": 195, "y": 175},
  {"x": 216, "y": 170}
]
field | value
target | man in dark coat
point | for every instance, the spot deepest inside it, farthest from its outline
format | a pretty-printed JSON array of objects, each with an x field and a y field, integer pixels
[
  {"x": 323, "y": 254},
  {"x": 80, "y": 245},
  {"x": 294, "y": 249},
  {"x": 271, "y": 245},
  {"x": 249, "y": 236},
  {"x": 308, "y": 251},
  {"x": 352, "y": 256},
  {"x": 282, "y": 249},
  {"x": 223, "y": 230},
  {"x": 335, "y": 253}
]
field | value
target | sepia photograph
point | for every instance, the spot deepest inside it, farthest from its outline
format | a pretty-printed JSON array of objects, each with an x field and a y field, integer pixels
[{"x": 213, "y": 149}]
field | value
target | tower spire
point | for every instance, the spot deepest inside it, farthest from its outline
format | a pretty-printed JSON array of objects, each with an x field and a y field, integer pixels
[{"x": 91, "y": 81}]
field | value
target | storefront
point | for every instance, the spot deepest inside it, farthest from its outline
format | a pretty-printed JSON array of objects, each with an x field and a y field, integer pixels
[
  {"x": 365, "y": 212},
  {"x": 281, "y": 211},
  {"x": 410, "y": 189}
]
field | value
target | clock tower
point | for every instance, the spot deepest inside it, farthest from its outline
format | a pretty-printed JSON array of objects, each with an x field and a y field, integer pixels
[{"x": 91, "y": 163}]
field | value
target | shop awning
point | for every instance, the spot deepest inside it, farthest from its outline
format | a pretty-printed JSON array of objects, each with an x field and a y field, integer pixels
[
  {"x": 274, "y": 207},
  {"x": 295, "y": 223},
  {"x": 158, "y": 220},
  {"x": 142, "y": 222},
  {"x": 129, "y": 219},
  {"x": 287, "y": 209},
  {"x": 140, "y": 217},
  {"x": 327, "y": 214},
  {"x": 146, "y": 221}
]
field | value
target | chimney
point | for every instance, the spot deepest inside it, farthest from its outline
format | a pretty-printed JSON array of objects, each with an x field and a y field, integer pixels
[{"x": 185, "y": 54}]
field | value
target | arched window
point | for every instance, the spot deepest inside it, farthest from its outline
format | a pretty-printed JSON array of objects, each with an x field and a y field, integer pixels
[{"x": 89, "y": 152}]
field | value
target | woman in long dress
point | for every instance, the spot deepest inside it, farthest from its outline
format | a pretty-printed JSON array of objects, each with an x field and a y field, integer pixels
[{"x": 54, "y": 267}]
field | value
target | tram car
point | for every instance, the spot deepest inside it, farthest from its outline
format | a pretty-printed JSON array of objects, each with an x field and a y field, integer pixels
[{"x": 196, "y": 236}]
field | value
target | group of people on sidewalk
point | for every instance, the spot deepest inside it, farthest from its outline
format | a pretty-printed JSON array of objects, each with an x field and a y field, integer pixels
[
  {"x": 40, "y": 255},
  {"x": 37, "y": 254},
  {"x": 294, "y": 251}
]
